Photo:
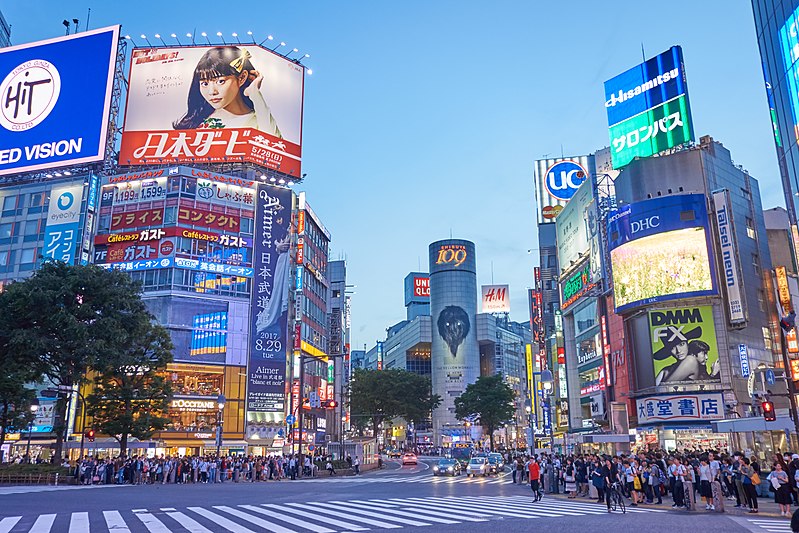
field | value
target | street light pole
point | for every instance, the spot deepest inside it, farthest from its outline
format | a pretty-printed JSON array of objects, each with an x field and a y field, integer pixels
[
  {"x": 220, "y": 403},
  {"x": 34, "y": 407}
]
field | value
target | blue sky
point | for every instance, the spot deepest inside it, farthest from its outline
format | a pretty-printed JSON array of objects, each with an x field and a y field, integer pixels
[{"x": 424, "y": 117}]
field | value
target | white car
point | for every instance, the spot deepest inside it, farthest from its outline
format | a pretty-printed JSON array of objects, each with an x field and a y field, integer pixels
[
  {"x": 478, "y": 466},
  {"x": 409, "y": 459}
]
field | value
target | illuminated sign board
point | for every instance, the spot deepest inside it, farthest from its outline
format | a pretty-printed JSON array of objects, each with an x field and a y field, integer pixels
[
  {"x": 63, "y": 223},
  {"x": 421, "y": 287},
  {"x": 556, "y": 182},
  {"x": 680, "y": 408},
  {"x": 648, "y": 109},
  {"x": 783, "y": 291},
  {"x": 659, "y": 251},
  {"x": 729, "y": 255},
  {"x": 453, "y": 254},
  {"x": 55, "y": 100},
  {"x": 576, "y": 285},
  {"x": 684, "y": 347},
  {"x": 743, "y": 355},
  {"x": 193, "y": 405},
  {"x": 789, "y": 44},
  {"x": 495, "y": 298},
  {"x": 260, "y": 122}
]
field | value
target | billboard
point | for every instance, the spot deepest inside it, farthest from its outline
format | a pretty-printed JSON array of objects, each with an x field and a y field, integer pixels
[
  {"x": 684, "y": 345},
  {"x": 63, "y": 223},
  {"x": 214, "y": 104},
  {"x": 680, "y": 408},
  {"x": 659, "y": 251},
  {"x": 556, "y": 181},
  {"x": 730, "y": 264},
  {"x": 266, "y": 369},
  {"x": 648, "y": 109},
  {"x": 495, "y": 298},
  {"x": 572, "y": 226},
  {"x": 789, "y": 45},
  {"x": 417, "y": 288},
  {"x": 55, "y": 100}
]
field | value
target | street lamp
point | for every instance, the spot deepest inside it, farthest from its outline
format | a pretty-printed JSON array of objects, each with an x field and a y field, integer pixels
[
  {"x": 220, "y": 403},
  {"x": 34, "y": 407}
]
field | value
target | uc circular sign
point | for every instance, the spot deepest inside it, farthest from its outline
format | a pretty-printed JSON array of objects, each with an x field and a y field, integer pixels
[
  {"x": 30, "y": 92},
  {"x": 564, "y": 178},
  {"x": 65, "y": 201}
]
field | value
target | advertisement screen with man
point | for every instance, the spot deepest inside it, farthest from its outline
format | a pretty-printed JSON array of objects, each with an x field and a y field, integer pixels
[
  {"x": 684, "y": 345},
  {"x": 214, "y": 104}
]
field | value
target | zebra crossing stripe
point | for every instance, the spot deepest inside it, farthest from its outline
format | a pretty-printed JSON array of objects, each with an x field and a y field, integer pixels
[
  {"x": 7, "y": 523},
  {"x": 152, "y": 524},
  {"x": 292, "y": 520},
  {"x": 269, "y": 526},
  {"x": 338, "y": 523},
  {"x": 115, "y": 522},
  {"x": 433, "y": 506},
  {"x": 220, "y": 520},
  {"x": 498, "y": 509},
  {"x": 376, "y": 523},
  {"x": 363, "y": 512},
  {"x": 79, "y": 523},
  {"x": 43, "y": 524},
  {"x": 360, "y": 508},
  {"x": 188, "y": 523}
]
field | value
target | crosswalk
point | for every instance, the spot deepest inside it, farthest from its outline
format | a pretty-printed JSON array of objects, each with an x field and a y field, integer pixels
[
  {"x": 428, "y": 479},
  {"x": 316, "y": 517},
  {"x": 772, "y": 525}
]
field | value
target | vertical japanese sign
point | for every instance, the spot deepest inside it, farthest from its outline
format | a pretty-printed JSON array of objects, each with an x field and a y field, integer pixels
[
  {"x": 91, "y": 212},
  {"x": 729, "y": 255},
  {"x": 266, "y": 370},
  {"x": 63, "y": 223},
  {"x": 743, "y": 354}
]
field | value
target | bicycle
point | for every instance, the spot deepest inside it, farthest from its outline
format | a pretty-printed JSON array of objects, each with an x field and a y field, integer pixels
[{"x": 617, "y": 498}]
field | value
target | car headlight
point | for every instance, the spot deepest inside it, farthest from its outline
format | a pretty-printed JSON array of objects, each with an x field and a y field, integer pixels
[
  {"x": 450, "y": 469},
  {"x": 435, "y": 469}
]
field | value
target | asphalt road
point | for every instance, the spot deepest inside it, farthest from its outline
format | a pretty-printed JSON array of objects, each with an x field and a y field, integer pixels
[{"x": 397, "y": 497}]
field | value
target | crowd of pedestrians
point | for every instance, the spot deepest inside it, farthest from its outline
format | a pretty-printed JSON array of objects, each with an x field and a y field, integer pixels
[
  {"x": 688, "y": 479},
  {"x": 143, "y": 470}
]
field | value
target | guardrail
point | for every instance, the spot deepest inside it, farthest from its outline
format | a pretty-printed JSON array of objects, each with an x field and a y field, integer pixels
[{"x": 36, "y": 479}]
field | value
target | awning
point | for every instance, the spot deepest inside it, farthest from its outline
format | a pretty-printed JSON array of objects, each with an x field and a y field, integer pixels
[
  {"x": 617, "y": 438},
  {"x": 753, "y": 423}
]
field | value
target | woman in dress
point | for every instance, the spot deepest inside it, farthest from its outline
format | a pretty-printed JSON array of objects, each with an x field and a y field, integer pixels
[
  {"x": 782, "y": 490},
  {"x": 570, "y": 479}
]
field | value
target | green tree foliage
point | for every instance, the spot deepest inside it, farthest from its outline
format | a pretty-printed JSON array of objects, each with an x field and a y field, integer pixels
[
  {"x": 73, "y": 319},
  {"x": 489, "y": 402},
  {"x": 130, "y": 393},
  {"x": 380, "y": 395}
]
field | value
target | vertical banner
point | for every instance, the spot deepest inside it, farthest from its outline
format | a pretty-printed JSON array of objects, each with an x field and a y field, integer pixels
[
  {"x": 729, "y": 255},
  {"x": 266, "y": 369},
  {"x": 63, "y": 223}
]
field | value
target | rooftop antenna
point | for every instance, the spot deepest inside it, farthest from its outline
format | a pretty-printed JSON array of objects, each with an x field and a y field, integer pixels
[
  {"x": 65, "y": 22},
  {"x": 75, "y": 22},
  {"x": 643, "y": 54},
  {"x": 450, "y": 233},
  {"x": 88, "y": 16},
  {"x": 492, "y": 272}
]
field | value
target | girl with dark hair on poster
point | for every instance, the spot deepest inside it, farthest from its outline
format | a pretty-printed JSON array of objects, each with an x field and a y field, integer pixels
[{"x": 225, "y": 92}]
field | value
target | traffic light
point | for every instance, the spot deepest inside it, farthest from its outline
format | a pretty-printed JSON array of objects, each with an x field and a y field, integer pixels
[
  {"x": 90, "y": 435},
  {"x": 768, "y": 411},
  {"x": 331, "y": 404}
]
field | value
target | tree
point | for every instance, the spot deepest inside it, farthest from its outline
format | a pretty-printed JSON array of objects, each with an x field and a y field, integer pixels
[
  {"x": 130, "y": 393},
  {"x": 380, "y": 395},
  {"x": 488, "y": 401},
  {"x": 72, "y": 318}
]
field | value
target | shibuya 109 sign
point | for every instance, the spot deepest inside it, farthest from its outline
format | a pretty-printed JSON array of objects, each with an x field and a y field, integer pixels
[
  {"x": 648, "y": 109},
  {"x": 214, "y": 104},
  {"x": 55, "y": 99}
]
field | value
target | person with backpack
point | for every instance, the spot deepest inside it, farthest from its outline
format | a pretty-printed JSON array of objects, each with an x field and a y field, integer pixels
[{"x": 657, "y": 479}]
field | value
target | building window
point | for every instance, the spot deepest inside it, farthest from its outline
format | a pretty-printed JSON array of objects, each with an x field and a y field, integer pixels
[
  {"x": 6, "y": 230},
  {"x": 9, "y": 203},
  {"x": 761, "y": 300},
  {"x": 3, "y": 257},
  {"x": 766, "y": 338},
  {"x": 27, "y": 256},
  {"x": 756, "y": 264},
  {"x": 31, "y": 227},
  {"x": 750, "y": 228}
]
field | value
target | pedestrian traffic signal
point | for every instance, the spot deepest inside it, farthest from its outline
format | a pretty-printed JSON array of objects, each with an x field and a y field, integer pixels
[
  {"x": 331, "y": 404},
  {"x": 90, "y": 435},
  {"x": 768, "y": 411}
]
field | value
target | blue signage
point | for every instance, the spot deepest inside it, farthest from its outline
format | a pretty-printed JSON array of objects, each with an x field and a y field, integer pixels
[
  {"x": 564, "y": 178},
  {"x": 770, "y": 377},
  {"x": 743, "y": 354},
  {"x": 645, "y": 86},
  {"x": 180, "y": 262},
  {"x": 54, "y": 100}
]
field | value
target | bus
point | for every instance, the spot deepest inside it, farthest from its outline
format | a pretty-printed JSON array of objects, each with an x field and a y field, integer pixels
[{"x": 462, "y": 452}]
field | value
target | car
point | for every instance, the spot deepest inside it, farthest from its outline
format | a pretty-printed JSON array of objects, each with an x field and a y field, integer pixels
[
  {"x": 409, "y": 459},
  {"x": 447, "y": 467},
  {"x": 478, "y": 466},
  {"x": 495, "y": 463},
  {"x": 394, "y": 454}
]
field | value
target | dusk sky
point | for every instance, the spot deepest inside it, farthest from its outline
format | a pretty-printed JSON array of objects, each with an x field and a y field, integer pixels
[{"x": 423, "y": 118}]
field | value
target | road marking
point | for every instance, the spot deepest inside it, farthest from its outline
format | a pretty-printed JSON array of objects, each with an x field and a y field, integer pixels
[
  {"x": 220, "y": 520},
  {"x": 188, "y": 523},
  {"x": 43, "y": 524},
  {"x": 338, "y": 523},
  {"x": 436, "y": 507},
  {"x": 152, "y": 523},
  {"x": 363, "y": 512},
  {"x": 401, "y": 512},
  {"x": 324, "y": 509},
  {"x": 79, "y": 523},
  {"x": 291, "y": 520},
  {"x": 7, "y": 523},
  {"x": 115, "y": 522},
  {"x": 253, "y": 519}
]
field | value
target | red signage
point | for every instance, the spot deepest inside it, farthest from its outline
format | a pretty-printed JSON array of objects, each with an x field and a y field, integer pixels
[
  {"x": 209, "y": 146},
  {"x": 605, "y": 349},
  {"x": 135, "y": 176},
  {"x": 167, "y": 247},
  {"x": 131, "y": 251},
  {"x": 421, "y": 287},
  {"x": 174, "y": 231},
  {"x": 200, "y": 217},
  {"x": 300, "y": 250},
  {"x": 300, "y": 222},
  {"x": 137, "y": 219}
]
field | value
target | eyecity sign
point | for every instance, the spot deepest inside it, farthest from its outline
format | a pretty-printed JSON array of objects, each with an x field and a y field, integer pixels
[{"x": 648, "y": 109}]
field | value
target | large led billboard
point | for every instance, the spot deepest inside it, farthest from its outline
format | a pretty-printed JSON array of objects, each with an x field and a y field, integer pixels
[
  {"x": 214, "y": 104},
  {"x": 684, "y": 345},
  {"x": 648, "y": 109},
  {"x": 55, "y": 100},
  {"x": 789, "y": 45},
  {"x": 556, "y": 182},
  {"x": 659, "y": 251}
]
